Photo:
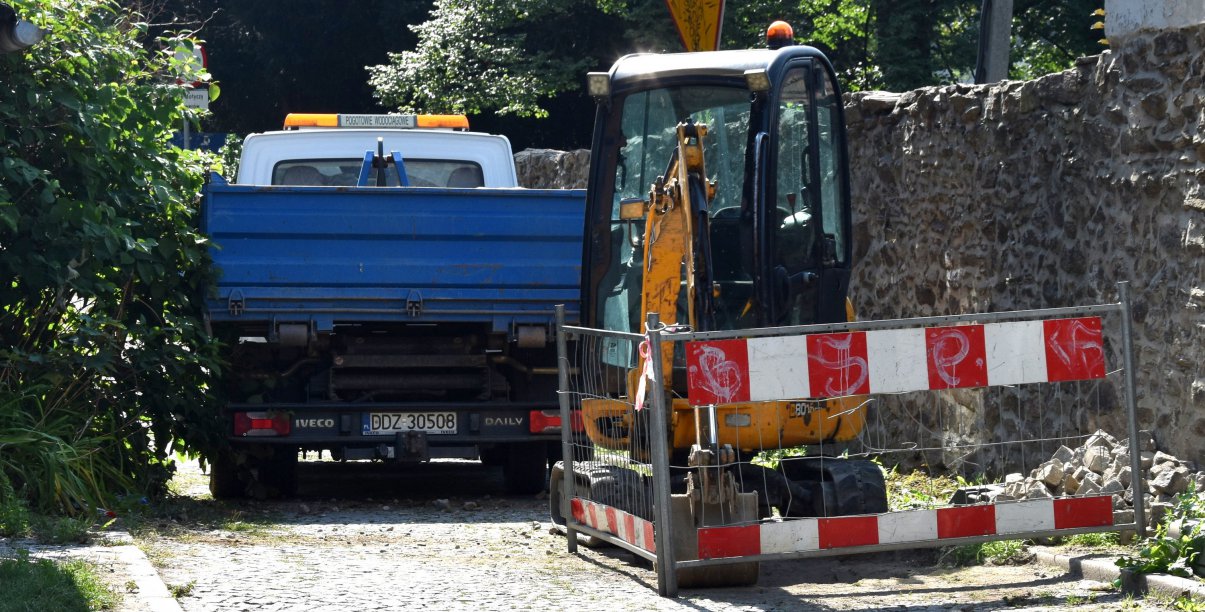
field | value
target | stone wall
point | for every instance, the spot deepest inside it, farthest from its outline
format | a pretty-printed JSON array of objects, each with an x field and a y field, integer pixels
[
  {"x": 1047, "y": 193},
  {"x": 1036, "y": 194}
]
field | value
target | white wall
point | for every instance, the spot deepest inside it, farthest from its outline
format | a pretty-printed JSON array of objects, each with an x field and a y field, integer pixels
[{"x": 1124, "y": 17}]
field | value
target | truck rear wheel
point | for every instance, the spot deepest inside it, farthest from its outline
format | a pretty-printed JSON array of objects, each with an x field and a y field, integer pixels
[
  {"x": 224, "y": 482},
  {"x": 526, "y": 468}
]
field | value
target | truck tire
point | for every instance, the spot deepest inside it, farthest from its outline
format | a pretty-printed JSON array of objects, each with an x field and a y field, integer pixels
[
  {"x": 526, "y": 466},
  {"x": 276, "y": 472},
  {"x": 224, "y": 481}
]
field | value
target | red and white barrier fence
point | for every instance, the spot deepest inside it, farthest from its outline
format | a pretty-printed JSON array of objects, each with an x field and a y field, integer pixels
[
  {"x": 864, "y": 358},
  {"x": 894, "y": 360},
  {"x": 908, "y": 526}
]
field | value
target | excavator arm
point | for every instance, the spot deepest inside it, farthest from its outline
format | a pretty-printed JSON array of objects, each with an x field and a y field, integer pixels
[{"x": 675, "y": 240}]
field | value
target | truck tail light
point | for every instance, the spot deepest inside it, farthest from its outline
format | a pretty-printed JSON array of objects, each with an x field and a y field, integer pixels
[
  {"x": 261, "y": 424},
  {"x": 549, "y": 421}
]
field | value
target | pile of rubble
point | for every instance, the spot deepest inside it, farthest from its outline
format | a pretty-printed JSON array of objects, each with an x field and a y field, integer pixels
[{"x": 1102, "y": 466}]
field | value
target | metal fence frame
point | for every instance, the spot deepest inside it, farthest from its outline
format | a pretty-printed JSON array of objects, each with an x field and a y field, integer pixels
[{"x": 664, "y": 561}]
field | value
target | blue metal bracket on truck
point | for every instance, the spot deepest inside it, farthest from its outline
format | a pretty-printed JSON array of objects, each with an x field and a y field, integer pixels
[{"x": 398, "y": 323}]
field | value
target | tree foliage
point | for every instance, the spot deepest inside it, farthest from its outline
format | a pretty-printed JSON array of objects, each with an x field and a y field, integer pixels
[
  {"x": 503, "y": 55},
  {"x": 104, "y": 359},
  {"x": 511, "y": 57},
  {"x": 274, "y": 58}
]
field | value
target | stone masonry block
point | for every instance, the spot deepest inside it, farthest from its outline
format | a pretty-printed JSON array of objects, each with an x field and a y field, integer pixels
[{"x": 1051, "y": 473}]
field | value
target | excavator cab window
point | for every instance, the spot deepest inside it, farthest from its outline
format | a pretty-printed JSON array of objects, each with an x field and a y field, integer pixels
[
  {"x": 647, "y": 138},
  {"x": 807, "y": 207}
]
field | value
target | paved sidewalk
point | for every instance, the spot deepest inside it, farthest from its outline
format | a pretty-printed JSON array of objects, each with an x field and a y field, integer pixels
[{"x": 119, "y": 562}]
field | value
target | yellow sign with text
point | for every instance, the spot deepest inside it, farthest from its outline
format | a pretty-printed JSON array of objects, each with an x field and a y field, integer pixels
[{"x": 698, "y": 22}]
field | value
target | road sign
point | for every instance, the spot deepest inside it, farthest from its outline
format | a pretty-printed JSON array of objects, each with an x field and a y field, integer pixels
[
  {"x": 698, "y": 22},
  {"x": 197, "y": 98}
]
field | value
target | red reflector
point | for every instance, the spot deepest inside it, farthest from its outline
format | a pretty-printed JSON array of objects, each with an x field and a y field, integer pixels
[
  {"x": 549, "y": 421},
  {"x": 545, "y": 421},
  {"x": 262, "y": 424}
]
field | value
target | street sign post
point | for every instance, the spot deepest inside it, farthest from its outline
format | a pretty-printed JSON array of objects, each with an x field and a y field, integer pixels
[{"x": 698, "y": 22}]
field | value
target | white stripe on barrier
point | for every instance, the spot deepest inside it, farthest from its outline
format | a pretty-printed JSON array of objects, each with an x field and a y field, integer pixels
[
  {"x": 789, "y": 536},
  {"x": 907, "y": 526},
  {"x": 1009, "y": 358},
  {"x": 1032, "y": 515},
  {"x": 892, "y": 361},
  {"x": 774, "y": 371},
  {"x": 898, "y": 355}
]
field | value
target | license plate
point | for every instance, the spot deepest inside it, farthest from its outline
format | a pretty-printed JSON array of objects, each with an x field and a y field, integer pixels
[{"x": 388, "y": 423}]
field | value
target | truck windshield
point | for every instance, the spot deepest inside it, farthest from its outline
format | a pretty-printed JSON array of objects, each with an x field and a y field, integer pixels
[{"x": 345, "y": 173}]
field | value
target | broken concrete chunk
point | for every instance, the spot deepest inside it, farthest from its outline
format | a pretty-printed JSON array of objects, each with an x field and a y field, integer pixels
[
  {"x": 1070, "y": 484},
  {"x": 1101, "y": 439},
  {"x": 1146, "y": 459},
  {"x": 1119, "y": 503},
  {"x": 1112, "y": 486},
  {"x": 1088, "y": 487},
  {"x": 1037, "y": 490},
  {"x": 1051, "y": 473},
  {"x": 1170, "y": 482},
  {"x": 1158, "y": 510},
  {"x": 1124, "y": 475},
  {"x": 1097, "y": 459},
  {"x": 1014, "y": 477},
  {"x": 1063, "y": 454},
  {"x": 1162, "y": 457}
]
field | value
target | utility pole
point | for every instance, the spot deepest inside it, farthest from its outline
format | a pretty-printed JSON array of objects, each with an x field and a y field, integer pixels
[{"x": 995, "y": 39}]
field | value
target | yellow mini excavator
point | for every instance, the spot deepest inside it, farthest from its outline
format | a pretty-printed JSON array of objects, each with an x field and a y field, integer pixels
[{"x": 719, "y": 199}]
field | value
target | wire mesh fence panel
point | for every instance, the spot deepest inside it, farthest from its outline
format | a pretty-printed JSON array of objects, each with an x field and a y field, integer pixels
[
  {"x": 605, "y": 475},
  {"x": 726, "y": 448},
  {"x": 921, "y": 432}
]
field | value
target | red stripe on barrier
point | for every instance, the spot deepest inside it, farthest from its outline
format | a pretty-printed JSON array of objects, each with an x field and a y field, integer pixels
[
  {"x": 966, "y": 522},
  {"x": 612, "y": 524},
  {"x": 592, "y": 515},
  {"x": 717, "y": 372},
  {"x": 1074, "y": 349},
  {"x": 837, "y": 364},
  {"x": 579, "y": 512},
  {"x": 629, "y": 531},
  {"x": 1083, "y": 512},
  {"x": 722, "y": 542},
  {"x": 956, "y": 357},
  {"x": 848, "y": 531},
  {"x": 650, "y": 543}
]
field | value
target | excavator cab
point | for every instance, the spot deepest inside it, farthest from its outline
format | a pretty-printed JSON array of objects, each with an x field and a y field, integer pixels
[
  {"x": 771, "y": 247},
  {"x": 718, "y": 199}
]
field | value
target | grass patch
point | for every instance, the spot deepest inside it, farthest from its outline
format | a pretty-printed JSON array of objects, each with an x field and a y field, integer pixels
[
  {"x": 999, "y": 552},
  {"x": 918, "y": 490},
  {"x": 179, "y": 591},
  {"x": 43, "y": 584},
  {"x": 1103, "y": 539}
]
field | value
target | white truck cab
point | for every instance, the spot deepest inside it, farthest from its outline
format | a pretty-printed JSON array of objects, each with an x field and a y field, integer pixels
[{"x": 328, "y": 150}]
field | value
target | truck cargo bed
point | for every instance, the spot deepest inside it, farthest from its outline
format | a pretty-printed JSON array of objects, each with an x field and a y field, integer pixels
[{"x": 335, "y": 255}]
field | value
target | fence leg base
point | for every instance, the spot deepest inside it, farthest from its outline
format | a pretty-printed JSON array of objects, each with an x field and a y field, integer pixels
[{"x": 686, "y": 545}]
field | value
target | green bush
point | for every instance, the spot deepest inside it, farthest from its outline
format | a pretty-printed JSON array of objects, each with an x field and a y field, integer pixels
[{"x": 104, "y": 357}]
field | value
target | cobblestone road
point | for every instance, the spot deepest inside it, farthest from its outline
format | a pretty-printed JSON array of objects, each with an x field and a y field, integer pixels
[{"x": 401, "y": 548}]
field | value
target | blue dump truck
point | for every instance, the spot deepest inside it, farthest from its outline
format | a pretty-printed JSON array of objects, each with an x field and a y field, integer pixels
[{"x": 386, "y": 292}]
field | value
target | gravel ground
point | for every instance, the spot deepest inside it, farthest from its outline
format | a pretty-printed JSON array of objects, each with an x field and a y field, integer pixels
[{"x": 377, "y": 538}]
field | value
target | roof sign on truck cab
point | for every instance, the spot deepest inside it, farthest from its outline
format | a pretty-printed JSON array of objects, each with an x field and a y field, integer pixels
[{"x": 295, "y": 121}]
